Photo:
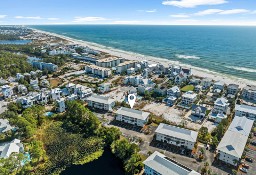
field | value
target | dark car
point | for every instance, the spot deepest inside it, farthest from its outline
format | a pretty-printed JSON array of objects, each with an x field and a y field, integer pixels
[
  {"x": 249, "y": 159},
  {"x": 253, "y": 143}
]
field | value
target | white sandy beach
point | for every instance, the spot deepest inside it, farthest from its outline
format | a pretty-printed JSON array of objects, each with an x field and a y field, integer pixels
[{"x": 134, "y": 56}]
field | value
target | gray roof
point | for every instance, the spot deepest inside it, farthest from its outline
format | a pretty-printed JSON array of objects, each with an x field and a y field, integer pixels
[
  {"x": 167, "y": 166},
  {"x": 100, "y": 99},
  {"x": 233, "y": 143},
  {"x": 133, "y": 113},
  {"x": 241, "y": 125},
  {"x": 246, "y": 108},
  {"x": 177, "y": 132},
  {"x": 250, "y": 88},
  {"x": 221, "y": 101},
  {"x": 202, "y": 109},
  {"x": 4, "y": 125},
  {"x": 7, "y": 149},
  {"x": 235, "y": 138},
  {"x": 235, "y": 86}
]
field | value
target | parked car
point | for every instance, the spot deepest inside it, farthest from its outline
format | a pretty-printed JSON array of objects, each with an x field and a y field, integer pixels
[
  {"x": 255, "y": 134},
  {"x": 244, "y": 170},
  {"x": 249, "y": 159},
  {"x": 253, "y": 143},
  {"x": 245, "y": 166}
]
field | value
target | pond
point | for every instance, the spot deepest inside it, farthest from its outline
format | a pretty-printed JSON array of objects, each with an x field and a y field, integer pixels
[
  {"x": 106, "y": 164},
  {"x": 18, "y": 42}
]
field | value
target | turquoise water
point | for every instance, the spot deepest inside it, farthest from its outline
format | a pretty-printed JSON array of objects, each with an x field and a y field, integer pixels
[
  {"x": 18, "y": 42},
  {"x": 48, "y": 114},
  {"x": 229, "y": 50}
]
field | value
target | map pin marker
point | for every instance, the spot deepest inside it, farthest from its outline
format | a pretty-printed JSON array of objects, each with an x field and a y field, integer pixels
[{"x": 131, "y": 100}]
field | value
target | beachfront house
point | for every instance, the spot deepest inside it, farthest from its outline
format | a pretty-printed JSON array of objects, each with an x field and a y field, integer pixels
[
  {"x": 198, "y": 111},
  {"x": 218, "y": 85},
  {"x": 132, "y": 116},
  {"x": 188, "y": 98},
  {"x": 245, "y": 111},
  {"x": 101, "y": 102},
  {"x": 8, "y": 148},
  {"x": 249, "y": 92},
  {"x": 206, "y": 83},
  {"x": 230, "y": 150},
  {"x": 220, "y": 110},
  {"x": 7, "y": 91},
  {"x": 173, "y": 135},
  {"x": 232, "y": 89},
  {"x": 159, "y": 164},
  {"x": 101, "y": 72}
]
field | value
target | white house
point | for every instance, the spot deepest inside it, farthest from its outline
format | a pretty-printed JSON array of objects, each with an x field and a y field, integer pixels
[
  {"x": 6, "y": 149},
  {"x": 218, "y": 85},
  {"x": 174, "y": 91},
  {"x": 22, "y": 89},
  {"x": 7, "y": 91},
  {"x": 176, "y": 136},
  {"x": 206, "y": 83},
  {"x": 231, "y": 146},
  {"x": 198, "y": 111},
  {"x": 188, "y": 98},
  {"x": 245, "y": 110},
  {"x": 55, "y": 94},
  {"x": 232, "y": 89},
  {"x": 101, "y": 102},
  {"x": 104, "y": 87},
  {"x": 159, "y": 164},
  {"x": 249, "y": 92},
  {"x": 34, "y": 84},
  {"x": 220, "y": 110},
  {"x": 61, "y": 105},
  {"x": 5, "y": 126},
  {"x": 131, "y": 116}
]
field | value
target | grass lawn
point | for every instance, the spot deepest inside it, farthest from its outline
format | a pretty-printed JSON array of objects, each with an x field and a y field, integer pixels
[
  {"x": 55, "y": 82},
  {"x": 188, "y": 88}
]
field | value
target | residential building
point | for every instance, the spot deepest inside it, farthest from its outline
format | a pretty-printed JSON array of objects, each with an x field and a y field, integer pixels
[
  {"x": 188, "y": 98},
  {"x": 6, "y": 149},
  {"x": 131, "y": 116},
  {"x": 98, "y": 71},
  {"x": 109, "y": 62},
  {"x": 126, "y": 65},
  {"x": 61, "y": 105},
  {"x": 159, "y": 164},
  {"x": 22, "y": 89},
  {"x": 174, "y": 91},
  {"x": 173, "y": 135},
  {"x": 101, "y": 102},
  {"x": 232, "y": 89},
  {"x": 220, "y": 110},
  {"x": 249, "y": 92},
  {"x": 206, "y": 83},
  {"x": 198, "y": 88},
  {"x": 45, "y": 66},
  {"x": 19, "y": 76},
  {"x": 55, "y": 94},
  {"x": 105, "y": 87},
  {"x": 5, "y": 126},
  {"x": 218, "y": 85},
  {"x": 7, "y": 91},
  {"x": 198, "y": 111},
  {"x": 231, "y": 146},
  {"x": 171, "y": 100},
  {"x": 34, "y": 84},
  {"x": 246, "y": 111}
]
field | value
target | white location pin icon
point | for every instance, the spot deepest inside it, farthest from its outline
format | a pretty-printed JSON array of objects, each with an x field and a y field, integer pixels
[{"x": 131, "y": 100}]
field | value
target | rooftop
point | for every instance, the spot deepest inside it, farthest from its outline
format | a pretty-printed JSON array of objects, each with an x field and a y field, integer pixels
[
  {"x": 177, "y": 132},
  {"x": 100, "y": 99},
  {"x": 221, "y": 102},
  {"x": 241, "y": 125},
  {"x": 127, "y": 62},
  {"x": 109, "y": 59},
  {"x": 167, "y": 166},
  {"x": 141, "y": 115},
  {"x": 246, "y": 108}
]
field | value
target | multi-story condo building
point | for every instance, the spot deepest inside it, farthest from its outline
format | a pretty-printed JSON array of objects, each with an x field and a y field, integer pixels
[
  {"x": 249, "y": 92},
  {"x": 231, "y": 146},
  {"x": 131, "y": 116},
  {"x": 98, "y": 71},
  {"x": 159, "y": 164},
  {"x": 42, "y": 66},
  {"x": 246, "y": 111},
  {"x": 101, "y": 102},
  {"x": 126, "y": 65},
  {"x": 110, "y": 62},
  {"x": 176, "y": 136}
]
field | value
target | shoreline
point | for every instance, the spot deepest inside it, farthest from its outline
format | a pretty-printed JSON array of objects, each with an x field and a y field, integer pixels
[{"x": 196, "y": 71}]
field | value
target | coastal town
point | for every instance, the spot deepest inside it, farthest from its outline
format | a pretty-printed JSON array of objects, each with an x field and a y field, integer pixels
[{"x": 182, "y": 123}]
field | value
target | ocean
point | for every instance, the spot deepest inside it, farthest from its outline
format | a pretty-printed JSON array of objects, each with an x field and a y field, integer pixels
[{"x": 229, "y": 50}]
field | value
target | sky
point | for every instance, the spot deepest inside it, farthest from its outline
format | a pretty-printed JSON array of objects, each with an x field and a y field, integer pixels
[{"x": 139, "y": 12}]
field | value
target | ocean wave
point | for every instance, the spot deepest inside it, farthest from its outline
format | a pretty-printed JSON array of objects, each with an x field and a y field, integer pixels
[
  {"x": 242, "y": 69},
  {"x": 187, "y": 57}
]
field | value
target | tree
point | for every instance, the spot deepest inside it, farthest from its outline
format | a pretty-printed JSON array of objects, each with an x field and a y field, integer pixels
[
  {"x": 215, "y": 142},
  {"x": 37, "y": 150},
  {"x": 134, "y": 165},
  {"x": 110, "y": 134}
]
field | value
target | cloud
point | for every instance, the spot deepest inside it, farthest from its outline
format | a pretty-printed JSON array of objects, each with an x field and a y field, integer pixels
[
  {"x": 127, "y": 22},
  {"x": 180, "y": 16},
  {"x": 53, "y": 19},
  {"x": 28, "y": 17},
  {"x": 208, "y": 12},
  {"x": 192, "y": 3},
  {"x": 2, "y": 16},
  {"x": 148, "y": 11},
  {"x": 254, "y": 12},
  {"x": 233, "y": 11},
  {"x": 88, "y": 19}
]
